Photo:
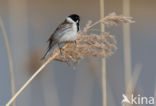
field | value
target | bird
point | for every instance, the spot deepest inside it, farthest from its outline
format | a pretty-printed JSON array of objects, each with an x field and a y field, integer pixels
[{"x": 66, "y": 32}]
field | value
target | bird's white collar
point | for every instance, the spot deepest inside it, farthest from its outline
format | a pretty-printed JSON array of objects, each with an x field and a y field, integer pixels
[{"x": 69, "y": 20}]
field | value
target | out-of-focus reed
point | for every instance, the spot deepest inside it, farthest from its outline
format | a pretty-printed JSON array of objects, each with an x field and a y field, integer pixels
[
  {"x": 103, "y": 71},
  {"x": 127, "y": 43},
  {"x": 9, "y": 59}
]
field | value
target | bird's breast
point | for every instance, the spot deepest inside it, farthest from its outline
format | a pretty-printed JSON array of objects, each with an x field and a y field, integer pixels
[{"x": 70, "y": 34}]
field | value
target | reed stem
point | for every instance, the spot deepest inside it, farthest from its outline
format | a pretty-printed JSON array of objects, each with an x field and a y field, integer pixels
[{"x": 9, "y": 59}]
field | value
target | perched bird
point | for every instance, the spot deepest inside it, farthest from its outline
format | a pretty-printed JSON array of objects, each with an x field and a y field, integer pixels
[{"x": 65, "y": 32}]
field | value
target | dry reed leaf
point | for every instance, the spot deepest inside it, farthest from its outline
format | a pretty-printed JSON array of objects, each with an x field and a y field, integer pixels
[{"x": 92, "y": 44}]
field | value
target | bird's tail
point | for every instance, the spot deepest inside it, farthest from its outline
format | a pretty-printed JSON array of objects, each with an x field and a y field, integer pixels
[{"x": 47, "y": 52}]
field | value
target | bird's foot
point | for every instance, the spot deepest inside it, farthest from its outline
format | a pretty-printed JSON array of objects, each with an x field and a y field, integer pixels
[
  {"x": 60, "y": 51},
  {"x": 75, "y": 43}
]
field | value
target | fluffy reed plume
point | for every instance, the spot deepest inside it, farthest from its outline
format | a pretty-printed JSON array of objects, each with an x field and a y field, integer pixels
[{"x": 87, "y": 44}]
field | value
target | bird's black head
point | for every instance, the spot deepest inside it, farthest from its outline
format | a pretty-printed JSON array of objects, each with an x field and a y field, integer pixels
[{"x": 75, "y": 18}]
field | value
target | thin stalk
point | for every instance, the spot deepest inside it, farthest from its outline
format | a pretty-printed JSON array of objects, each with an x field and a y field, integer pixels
[
  {"x": 32, "y": 77},
  {"x": 127, "y": 44},
  {"x": 104, "y": 87},
  {"x": 9, "y": 59}
]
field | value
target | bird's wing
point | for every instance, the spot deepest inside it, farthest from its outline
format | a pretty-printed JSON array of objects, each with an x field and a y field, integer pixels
[{"x": 60, "y": 30}]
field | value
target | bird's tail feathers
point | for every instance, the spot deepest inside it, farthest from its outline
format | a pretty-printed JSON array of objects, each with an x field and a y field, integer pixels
[{"x": 47, "y": 52}]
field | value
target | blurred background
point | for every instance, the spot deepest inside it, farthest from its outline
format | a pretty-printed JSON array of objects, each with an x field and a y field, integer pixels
[{"x": 29, "y": 23}]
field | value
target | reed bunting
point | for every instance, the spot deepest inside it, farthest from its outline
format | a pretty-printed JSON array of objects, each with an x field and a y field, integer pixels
[{"x": 65, "y": 32}]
